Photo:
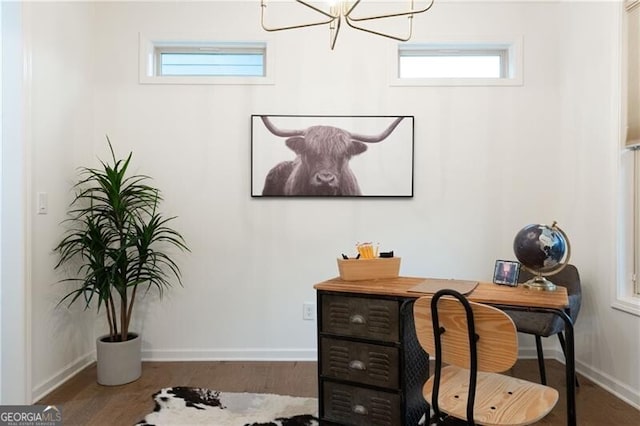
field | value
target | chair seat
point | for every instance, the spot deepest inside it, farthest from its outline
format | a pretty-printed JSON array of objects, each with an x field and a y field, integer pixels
[
  {"x": 518, "y": 403},
  {"x": 542, "y": 324}
]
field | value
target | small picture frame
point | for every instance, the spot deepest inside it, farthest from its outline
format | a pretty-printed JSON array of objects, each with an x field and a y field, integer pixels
[{"x": 506, "y": 272}]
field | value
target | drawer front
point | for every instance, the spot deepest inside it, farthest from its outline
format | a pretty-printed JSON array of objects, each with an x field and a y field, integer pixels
[
  {"x": 350, "y": 405},
  {"x": 376, "y": 319},
  {"x": 360, "y": 362}
]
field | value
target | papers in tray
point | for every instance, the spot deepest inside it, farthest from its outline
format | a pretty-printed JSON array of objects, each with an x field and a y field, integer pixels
[{"x": 432, "y": 285}]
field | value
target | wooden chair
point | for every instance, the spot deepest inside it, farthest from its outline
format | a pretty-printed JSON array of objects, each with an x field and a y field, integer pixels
[{"x": 476, "y": 342}]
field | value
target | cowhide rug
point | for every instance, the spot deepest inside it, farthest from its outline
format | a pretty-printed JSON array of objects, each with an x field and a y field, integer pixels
[{"x": 198, "y": 406}]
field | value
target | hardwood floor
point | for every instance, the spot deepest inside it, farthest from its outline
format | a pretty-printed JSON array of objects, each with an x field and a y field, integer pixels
[
  {"x": 594, "y": 405},
  {"x": 84, "y": 402}
]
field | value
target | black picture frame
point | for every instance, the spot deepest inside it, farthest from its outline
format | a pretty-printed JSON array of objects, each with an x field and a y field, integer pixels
[
  {"x": 280, "y": 144},
  {"x": 506, "y": 272}
]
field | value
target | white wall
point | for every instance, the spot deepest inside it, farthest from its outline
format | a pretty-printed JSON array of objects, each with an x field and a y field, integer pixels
[
  {"x": 61, "y": 139},
  {"x": 488, "y": 160},
  {"x": 14, "y": 356},
  {"x": 608, "y": 341}
]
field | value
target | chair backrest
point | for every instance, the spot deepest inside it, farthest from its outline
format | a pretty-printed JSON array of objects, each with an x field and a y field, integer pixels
[
  {"x": 568, "y": 277},
  {"x": 497, "y": 342}
]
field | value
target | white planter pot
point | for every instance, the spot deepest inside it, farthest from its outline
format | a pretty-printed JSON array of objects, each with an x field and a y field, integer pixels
[{"x": 119, "y": 362}]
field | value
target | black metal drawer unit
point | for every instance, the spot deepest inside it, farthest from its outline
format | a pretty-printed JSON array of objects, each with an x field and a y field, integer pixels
[{"x": 371, "y": 368}]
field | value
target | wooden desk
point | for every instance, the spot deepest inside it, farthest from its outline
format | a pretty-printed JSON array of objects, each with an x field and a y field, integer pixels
[{"x": 517, "y": 298}]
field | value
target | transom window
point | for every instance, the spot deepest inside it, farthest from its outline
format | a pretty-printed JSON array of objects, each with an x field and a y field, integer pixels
[
  {"x": 167, "y": 60},
  {"x": 210, "y": 61},
  {"x": 453, "y": 63}
]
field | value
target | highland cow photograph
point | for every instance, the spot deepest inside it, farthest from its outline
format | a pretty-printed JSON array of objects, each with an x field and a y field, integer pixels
[{"x": 331, "y": 156}]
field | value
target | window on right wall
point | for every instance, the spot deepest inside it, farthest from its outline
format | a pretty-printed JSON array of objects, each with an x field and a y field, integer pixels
[
  {"x": 453, "y": 63},
  {"x": 459, "y": 63},
  {"x": 627, "y": 291}
]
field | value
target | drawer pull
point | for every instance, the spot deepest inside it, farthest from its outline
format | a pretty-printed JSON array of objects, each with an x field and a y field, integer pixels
[
  {"x": 357, "y": 319},
  {"x": 360, "y": 409},
  {"x": 357, "y": 365}
]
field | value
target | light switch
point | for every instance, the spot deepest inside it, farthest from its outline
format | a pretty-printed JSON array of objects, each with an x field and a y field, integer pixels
[{"x": 43, "y": 203}]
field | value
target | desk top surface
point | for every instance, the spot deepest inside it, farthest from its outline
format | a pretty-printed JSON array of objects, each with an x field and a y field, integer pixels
[{"x": 484, "y": 293}]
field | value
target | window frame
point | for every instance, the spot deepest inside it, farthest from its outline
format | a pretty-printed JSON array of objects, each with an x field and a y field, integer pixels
[
  {"x": 626, "y": 291},
  {"x": 510, "y": 48},
  {"x": 151, "y": 46}
]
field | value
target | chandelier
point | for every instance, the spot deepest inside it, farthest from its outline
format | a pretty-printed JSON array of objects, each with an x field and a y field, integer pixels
[{"x": 337, "y": 11}]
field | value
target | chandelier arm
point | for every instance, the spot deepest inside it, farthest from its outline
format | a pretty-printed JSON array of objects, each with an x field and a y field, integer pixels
[
  {"x": 263, "y": 6},
  {"x": 293, "y": 27},
  {"x": 391, "y": 36},
  {"x": 353, "y": 6},
  {"x": 333, "y": 36},
  {"x": 345, "y": 10},
  {"x": 390, "y": 15},
  {"x": 317, "y": 9}
]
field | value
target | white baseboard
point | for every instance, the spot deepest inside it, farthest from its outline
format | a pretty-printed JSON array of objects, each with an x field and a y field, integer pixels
[
  {"x": 605, "y": 381},
  {"x": 610, "y": 384},
  {"x": 531, "y": 353},
  {"x": 602, "y": 379},
  {"x": 231, "y": 354},
  {"x": 242, "y": 354},
  {"x": 62, "y": 376}
]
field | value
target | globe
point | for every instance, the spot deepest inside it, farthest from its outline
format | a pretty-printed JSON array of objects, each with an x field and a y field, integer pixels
[{"x": 543, "y": 250}]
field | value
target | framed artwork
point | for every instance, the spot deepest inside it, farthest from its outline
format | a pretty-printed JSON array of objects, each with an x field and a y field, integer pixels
[
  {"x": 506, "y": 272},
  {"x": 331, "y": 156}
]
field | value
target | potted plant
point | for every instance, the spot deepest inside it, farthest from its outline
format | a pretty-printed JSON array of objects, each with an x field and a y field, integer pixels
[{"x": 121, "y": 242}]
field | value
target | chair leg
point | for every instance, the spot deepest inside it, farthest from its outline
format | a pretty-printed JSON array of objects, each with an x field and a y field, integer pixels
[
  {"x": 543, "y": 374},
  {"x": 564, "y": 352}
]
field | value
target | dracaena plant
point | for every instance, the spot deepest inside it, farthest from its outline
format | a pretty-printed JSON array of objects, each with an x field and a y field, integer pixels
[{"x": 120, "y": 241}]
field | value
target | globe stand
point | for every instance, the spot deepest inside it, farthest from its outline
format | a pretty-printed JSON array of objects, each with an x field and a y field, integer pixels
[{"x": 539, "y": 283}]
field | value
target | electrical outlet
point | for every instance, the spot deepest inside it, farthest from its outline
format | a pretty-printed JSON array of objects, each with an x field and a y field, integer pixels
[{"x": 308, "y": 311}]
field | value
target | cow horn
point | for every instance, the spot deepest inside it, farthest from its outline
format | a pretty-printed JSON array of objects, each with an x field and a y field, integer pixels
[
  {"x": 377, "y": 138},
  {"x": 279, "y": 132}
]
